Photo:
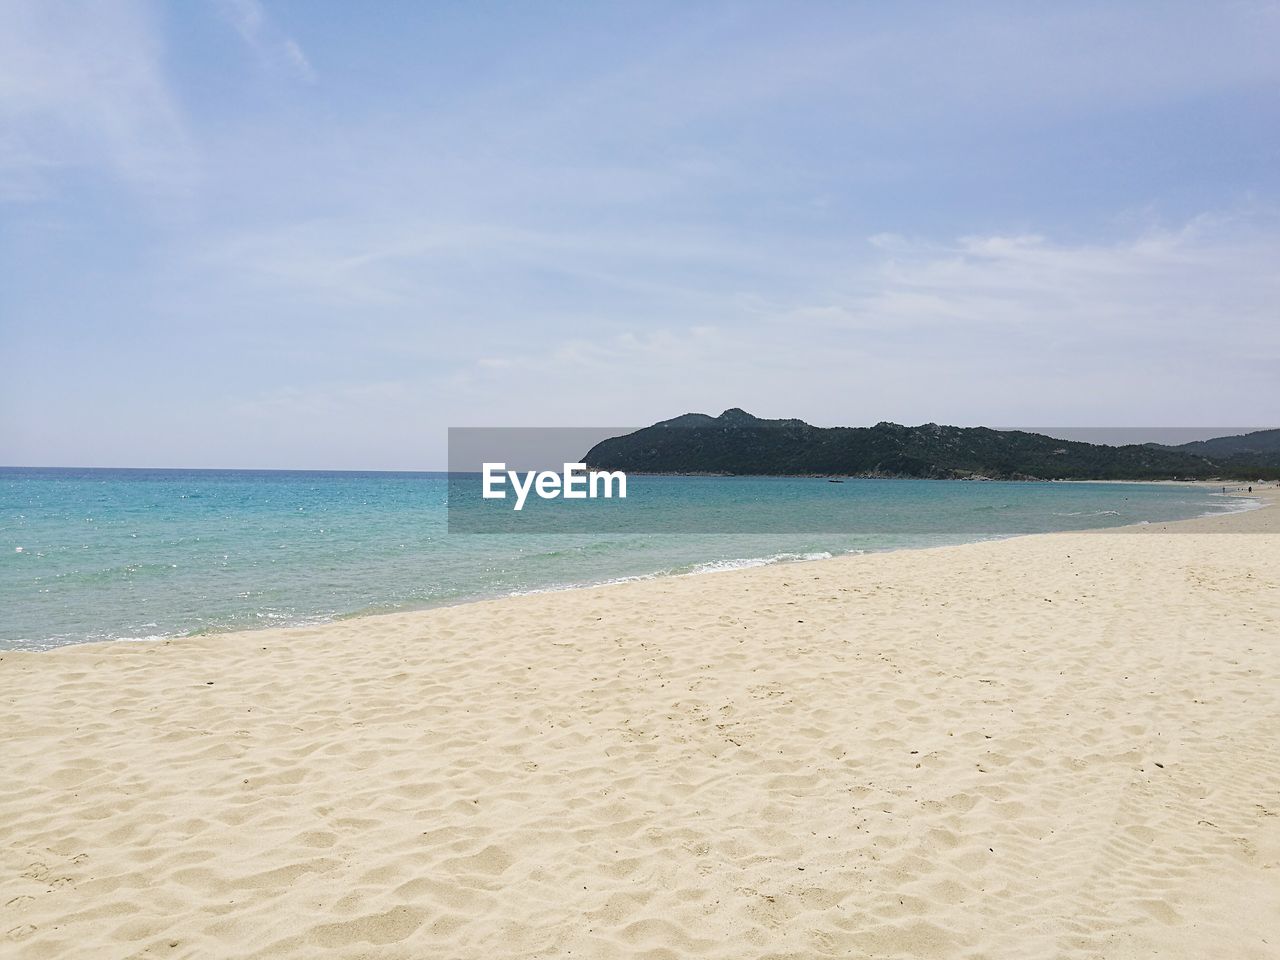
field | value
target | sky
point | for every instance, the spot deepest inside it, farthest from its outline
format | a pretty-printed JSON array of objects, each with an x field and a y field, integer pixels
[{"x": 259, "y": 233}]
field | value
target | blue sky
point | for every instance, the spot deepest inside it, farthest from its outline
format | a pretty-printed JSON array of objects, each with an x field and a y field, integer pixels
[{"x": 297, "y": 234}]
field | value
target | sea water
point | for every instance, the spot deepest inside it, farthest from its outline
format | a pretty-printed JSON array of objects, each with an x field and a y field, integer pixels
[{"x": 139, "y": 554}]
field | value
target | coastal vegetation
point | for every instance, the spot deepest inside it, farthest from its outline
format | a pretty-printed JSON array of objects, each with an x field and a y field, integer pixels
[{"x": 737, "y": 443}]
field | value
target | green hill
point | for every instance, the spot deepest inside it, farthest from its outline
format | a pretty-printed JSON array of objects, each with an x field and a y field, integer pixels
[
  {"x": 737, "y": 443},
  {"x": 1261, "y": 446}
]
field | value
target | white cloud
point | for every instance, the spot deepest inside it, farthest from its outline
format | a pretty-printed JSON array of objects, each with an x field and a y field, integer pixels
[
  {"x": 272, "y": 47},
  {"x": 1150, "y": 328},
  {"x": 1187, "y": 284},
  {"x": 583, "y": 223},
  {"x": 83, "y": 86}
]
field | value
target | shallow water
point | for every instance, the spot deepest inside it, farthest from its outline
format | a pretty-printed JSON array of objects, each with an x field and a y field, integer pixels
[{"x": 113, "y": 554}]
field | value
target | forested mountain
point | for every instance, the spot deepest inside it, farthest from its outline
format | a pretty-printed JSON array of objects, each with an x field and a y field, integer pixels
[
  {"x": 739, "y": 444},
  {"x": 1261, "y": 446}
]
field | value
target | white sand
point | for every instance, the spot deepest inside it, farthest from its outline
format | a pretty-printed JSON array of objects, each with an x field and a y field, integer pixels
[{"x": 1056, "y": 746}]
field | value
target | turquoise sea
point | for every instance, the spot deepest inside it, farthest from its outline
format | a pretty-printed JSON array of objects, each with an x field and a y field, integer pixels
[{"x": 137, "y": 554}]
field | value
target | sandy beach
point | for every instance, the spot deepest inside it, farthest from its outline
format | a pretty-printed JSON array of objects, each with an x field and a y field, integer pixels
[{"x": 1054, "y": 746}]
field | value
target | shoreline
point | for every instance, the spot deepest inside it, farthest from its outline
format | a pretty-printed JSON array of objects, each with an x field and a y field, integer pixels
[
  {"x": 1053, "y": 745},
  {"x": 1256, "y": 502},
  {"x": 1261, "y": 501}
]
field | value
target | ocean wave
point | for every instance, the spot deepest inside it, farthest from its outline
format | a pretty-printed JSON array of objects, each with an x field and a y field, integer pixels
[
  {"x": 1234, "y": 504},
  {"x": 40, "y": 644},
  {"x": 691, "y": 570},
  {"x": 719, "y": 566}
]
